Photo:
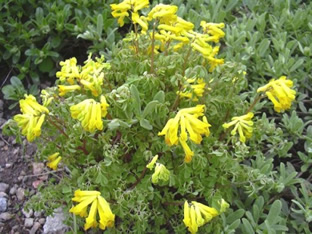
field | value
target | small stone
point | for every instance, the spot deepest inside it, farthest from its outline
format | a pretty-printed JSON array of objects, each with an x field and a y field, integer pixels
[
  {"x": 42, "y": 220},
  {"x": 12, "y": 190},
  {"x": 36, "y": 183},
  {"x": 5, "y": 216},
  {"x": 8, "y": 165},
  {"x": 29, "y": 222},
  {"x": 35, "y": 228},
  {"x": 28, "y": 214},
  {"x": 20, "y": 194},
  {"x": 5, "y": 148},
  {"x": 22, "y": 173},
  {"x": 3, "y": 194},
  {"x": 37, "y": 168},
  {"x": 37, "y": 214},
  {"x": 1, "y": 143},
  {"x": 16, "y": 151},
  {"x": 3, "y": 204},
  {"x": 3, "y": 187},
  {"x": 55, "y": 223}
]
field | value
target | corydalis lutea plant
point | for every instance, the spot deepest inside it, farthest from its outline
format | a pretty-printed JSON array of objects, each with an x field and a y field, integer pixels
[{"x": 107, "y": 134}]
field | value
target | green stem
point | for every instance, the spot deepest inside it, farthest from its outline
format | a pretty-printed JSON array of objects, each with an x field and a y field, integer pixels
[{"x": 153, "y": 47}]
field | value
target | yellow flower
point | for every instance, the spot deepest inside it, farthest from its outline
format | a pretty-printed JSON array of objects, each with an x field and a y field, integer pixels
[
  {"x": 104, "y": 106},
  {"x": 53, "y": 160},
  {"x": 166, "y": 14},
  {"x": 120, "y": 10},
  {"x": 46, "y": 97},
  {"x": 99, "y": 205},
  {"x": 190, "y": 127},
  {"x": 280, "y": 93},
  {"x": 160, "y": 173},
  {"x": 142, "y": 21},
  {"x": 64, "y": 89},
  {"x": 29, "y": 105},
  {"x": 214, "y": 30},
  {"x": 196, "y": 85},
  {"x": 94, "y": 85},
  {"x": 69, "y": 71},
  {"x": 223, "y": 205},
  {"x": 89, "y": 113},
  {"x": 243, "y": 124},
  {"x": 197, "y": 215},
  {"x": 32, "y": 118},
  {"x": 107, "y": 218},
  {"x": 151, "y": 164}
]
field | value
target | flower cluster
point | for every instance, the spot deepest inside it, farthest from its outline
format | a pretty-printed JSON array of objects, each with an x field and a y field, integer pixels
[
  {"x": 54, "y": 160},
  {"x": 172, "y": 29},
  {"x": 197, "y": 87},
  {"x": 280, "y": 93},
  {"x": 90, "y": 113},
  {"x": 243, "y": 124},
  {"x": 32, "y": 118},
  {"x": 89, "y": 77},
  {"x": 191, "y": 127},
  {"x": 99, "y": 205},
  {"x": 197, "y": 215},
  {"x": 160, "y": 173}
]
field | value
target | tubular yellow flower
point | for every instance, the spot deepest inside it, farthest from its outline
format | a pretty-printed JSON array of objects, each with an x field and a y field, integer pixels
[
  {"x": 107, "y": 218},
  {"x": 104, "y": 106},
  {"x": 89, "y": 113},
  {"x": 136, "y": 19},
  {"x": 94, "y": 85},
  {"x": 197, "y": 87},
  {"x": 243, "y": 124},
  {"x": 160, "y": 173},
  {"x": 69, "y": 71},
  {"x": 189, "y": 123},
  {"x": 64, "y": 89},
  {"x": 280, "y": 93},
  {"x": 197, "y": 215},
  {"x": 91, "y": 219},
  {"x": 152, "y": 163},
  {"x": 46, "y": 97},
  {"x": 32, "y": 118},
  {"x": 166, "y": 14},
  {"x": 99, "y": 205},
  {"x": 214, "y": 30},
  {"x": 223, "y": 205},
  {"x": 54, "y": 160}
]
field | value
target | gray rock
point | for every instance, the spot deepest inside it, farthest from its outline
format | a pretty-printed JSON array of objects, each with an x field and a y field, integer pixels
[
  {"x": 34, "y": 228},
  {"x": 3, "y": 204},
  {"x": 3, "y": 194},
  {"x": 42, "y": 221},
  {"x": 2, "y": 143},
  {"x": 13, "y": 190},
  {"x": 54, "y": 223},
  {"x": 3, "y": 187},
  {"x": 8, "y": 165},
  {"x": 20, "y": 194},
  {"x": 37, "y": 214},
  {"x": 5, "y": 216},
  {"x": 29, "y": 222},
  {"x": 1, "y": 105},
  {"x": 28, "y": 214}
]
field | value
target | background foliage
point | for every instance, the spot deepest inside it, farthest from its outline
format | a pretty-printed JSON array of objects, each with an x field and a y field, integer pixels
[{"x": 272, "y": 189}]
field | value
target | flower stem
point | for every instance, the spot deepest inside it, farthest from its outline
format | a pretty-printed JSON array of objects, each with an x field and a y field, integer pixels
[
  {"x": 257, "y": 99},
  {"x": 136, "y": 39},
  {"x": 153, "y": 47},
  {"x": 58, "y": 127}
]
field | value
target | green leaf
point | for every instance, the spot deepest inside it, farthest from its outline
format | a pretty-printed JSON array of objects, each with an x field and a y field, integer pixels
[
  {"x": 136, "y": 98},
  {"x": 274, "y": 212},
  {"x": 263, "y": 47},
  {"x": 235, "y": 215},
  {"x": 144, "y": 123},
  {"x": 247, "y": 226},
  {"x": 297, "y": 65},
  {"x": 231, "y": 5},
  {"x": 160, "y": 96},
  {"x": 46, "y": 65},
  {"x": 149, "y": 108},
  {"x": 16, "y": 82},
  {"x": 99, "y": 25}
]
